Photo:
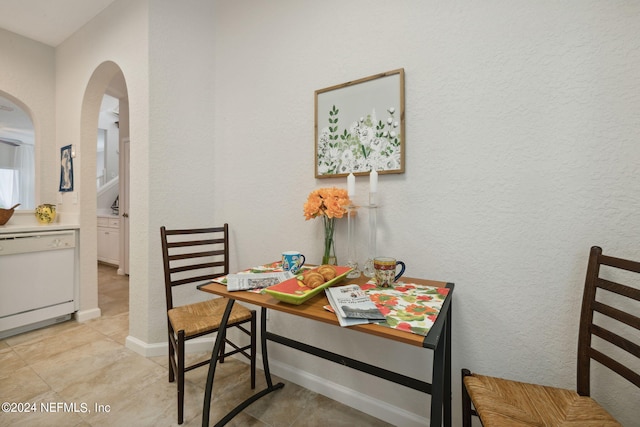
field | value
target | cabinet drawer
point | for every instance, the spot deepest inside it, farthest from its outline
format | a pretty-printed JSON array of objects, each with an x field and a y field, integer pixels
[{"x": 110, "y": 222}]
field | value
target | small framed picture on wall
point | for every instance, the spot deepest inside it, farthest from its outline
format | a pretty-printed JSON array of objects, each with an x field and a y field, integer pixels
[{"x": 66, "y": 169}]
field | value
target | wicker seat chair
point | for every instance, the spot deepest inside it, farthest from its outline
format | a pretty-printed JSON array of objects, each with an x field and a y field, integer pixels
[
  {"x": 502, "y": 402},
  {"x": 192, "y": 257}
]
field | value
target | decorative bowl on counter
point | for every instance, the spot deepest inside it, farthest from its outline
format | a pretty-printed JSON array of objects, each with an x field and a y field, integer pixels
[
  {"x": 46, "y": 213},
  {"x": 5, "y": 214}
]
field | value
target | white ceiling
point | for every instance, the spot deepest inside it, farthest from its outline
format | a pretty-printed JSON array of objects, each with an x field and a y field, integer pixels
[{"x": 48, "y": 21}]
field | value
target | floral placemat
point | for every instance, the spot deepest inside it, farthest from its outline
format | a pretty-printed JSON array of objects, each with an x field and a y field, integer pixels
[{"x": 408, "y": 306}]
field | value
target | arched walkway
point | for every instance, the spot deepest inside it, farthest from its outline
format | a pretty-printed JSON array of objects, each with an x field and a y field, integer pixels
[{"x": 106, "y": 74}]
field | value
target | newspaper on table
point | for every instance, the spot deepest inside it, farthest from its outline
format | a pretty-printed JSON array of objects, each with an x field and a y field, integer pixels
[
  {"x": 352, "y": 305},
  {"x": 247, "y": 281}
]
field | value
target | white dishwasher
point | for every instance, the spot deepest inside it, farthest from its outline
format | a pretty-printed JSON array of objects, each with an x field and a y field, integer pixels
[{"x": 37, "y": 279}]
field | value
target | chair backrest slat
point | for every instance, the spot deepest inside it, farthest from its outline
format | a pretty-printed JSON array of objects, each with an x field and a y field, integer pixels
[
  {"x": 194, "y": 243},
  {"x": 623, "y": 264},
  {"x": 194, "y": 279},
  {"x": 624, "y": 290},
  {"x": 196, "y": 255},
  {"x": 615, "y": 366},
  {"x": 619, "y": 315},
  {"x": 616, "y": 339},
  {"x": 624, "y": 297},
  {"x": 193, "y": 256},
  {"x": 201, "y": 266}
]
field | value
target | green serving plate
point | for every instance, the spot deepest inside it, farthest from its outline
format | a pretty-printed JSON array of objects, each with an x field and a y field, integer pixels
[{"x": 293, "y": 292}]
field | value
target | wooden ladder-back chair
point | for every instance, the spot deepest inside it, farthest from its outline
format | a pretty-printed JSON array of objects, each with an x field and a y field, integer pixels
[
  {"x": 192, "y": 257},
  {"x": 501, "y": 402}
]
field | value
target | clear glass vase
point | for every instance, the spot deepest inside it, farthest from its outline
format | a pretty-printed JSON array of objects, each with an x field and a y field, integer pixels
[
  {"x": 329, "y": 251},
  {"x": 352, "y": 262}
]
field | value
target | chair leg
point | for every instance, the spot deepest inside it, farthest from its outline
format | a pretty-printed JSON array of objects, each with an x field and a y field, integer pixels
[
  {"x": 222, "y": 345},
  {"x": 253, "y": 349},
  {"x": 466, "y": 401},
  {"x": 180, "y": 377},
  {"x": 172, "y": 355}
]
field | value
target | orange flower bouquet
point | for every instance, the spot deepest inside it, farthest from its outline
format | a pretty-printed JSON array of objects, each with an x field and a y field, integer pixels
[{"x": 328, "y": 203}]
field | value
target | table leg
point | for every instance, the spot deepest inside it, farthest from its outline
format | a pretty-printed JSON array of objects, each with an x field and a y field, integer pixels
[
  {"x": 214, "y": 361},
  {"x": 263, "y": 344},
  {"x": 447, "y": 371},
  {"x": 441, "y": 378},
  {"x": 212, "y": 368},
  {"x": 437, "y": 382}
]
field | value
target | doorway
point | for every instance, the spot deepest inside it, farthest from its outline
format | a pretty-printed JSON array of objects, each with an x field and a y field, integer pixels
[
  {"x": 107, "y": 76},
  {"x": 113, "y": 293},
  {"x": 112, "y": 176}
]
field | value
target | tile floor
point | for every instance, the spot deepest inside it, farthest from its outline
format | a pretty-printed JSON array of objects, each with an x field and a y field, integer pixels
[{"x": 86, "y": 367}]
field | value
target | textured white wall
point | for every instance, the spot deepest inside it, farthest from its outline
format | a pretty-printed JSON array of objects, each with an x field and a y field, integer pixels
[
  {"x": 181, "y": 160},
  {"x": 27, "y": 74},
  {"x": 521, "y": 153},
  {"x": 521, "y": 143},
  {"x": 116, "y": 40}
]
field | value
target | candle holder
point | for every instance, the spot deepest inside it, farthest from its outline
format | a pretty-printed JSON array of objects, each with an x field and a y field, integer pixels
[
  {"x": 352, "y": 262},
  {"x": 368, "y": 269}
]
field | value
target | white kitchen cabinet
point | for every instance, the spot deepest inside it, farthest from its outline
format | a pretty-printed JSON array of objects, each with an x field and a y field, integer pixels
[{"x": 109, "y": 239}]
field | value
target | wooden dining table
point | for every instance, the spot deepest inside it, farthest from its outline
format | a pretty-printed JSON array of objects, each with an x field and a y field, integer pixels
[{"x": 438, "y": 340}]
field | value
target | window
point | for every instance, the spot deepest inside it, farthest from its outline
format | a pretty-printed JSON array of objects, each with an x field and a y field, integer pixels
[
  {"x": 17, "y": 158},
  {"x": 6, "y": 187}
]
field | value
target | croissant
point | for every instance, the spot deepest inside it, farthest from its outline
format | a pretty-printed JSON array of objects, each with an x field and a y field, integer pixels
[
  {"x": 313, "y": 279},
  {"x": 327, "y": 271}
]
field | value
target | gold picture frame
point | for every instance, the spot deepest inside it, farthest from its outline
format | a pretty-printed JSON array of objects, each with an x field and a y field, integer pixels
[{"x": 359, "y": 126}]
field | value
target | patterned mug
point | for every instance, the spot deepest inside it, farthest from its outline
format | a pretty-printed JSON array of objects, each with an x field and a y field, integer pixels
[
  {"x": 385, "y": 271},
  {"x": 292, "y": 261}
]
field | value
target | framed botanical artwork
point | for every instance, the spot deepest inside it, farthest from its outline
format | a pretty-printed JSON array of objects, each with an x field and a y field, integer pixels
[
  {"x": 66, "y": 169},
  {"x": 359, "y": 126}
]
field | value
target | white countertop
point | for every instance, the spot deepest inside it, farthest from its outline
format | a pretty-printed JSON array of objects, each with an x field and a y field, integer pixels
[
  {"x": 22, "y": 228},
  {"x": 25, "y": 221},
  {"x": 106, "y": 213}
]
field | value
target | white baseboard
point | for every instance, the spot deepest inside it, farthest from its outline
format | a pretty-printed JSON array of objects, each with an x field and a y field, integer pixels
[
  {"x": 337, "y": 392},
  {"x": 355, "y": 399},
  {"x": 84, "y": 315},
  {"x": 197, "y": 345}
]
